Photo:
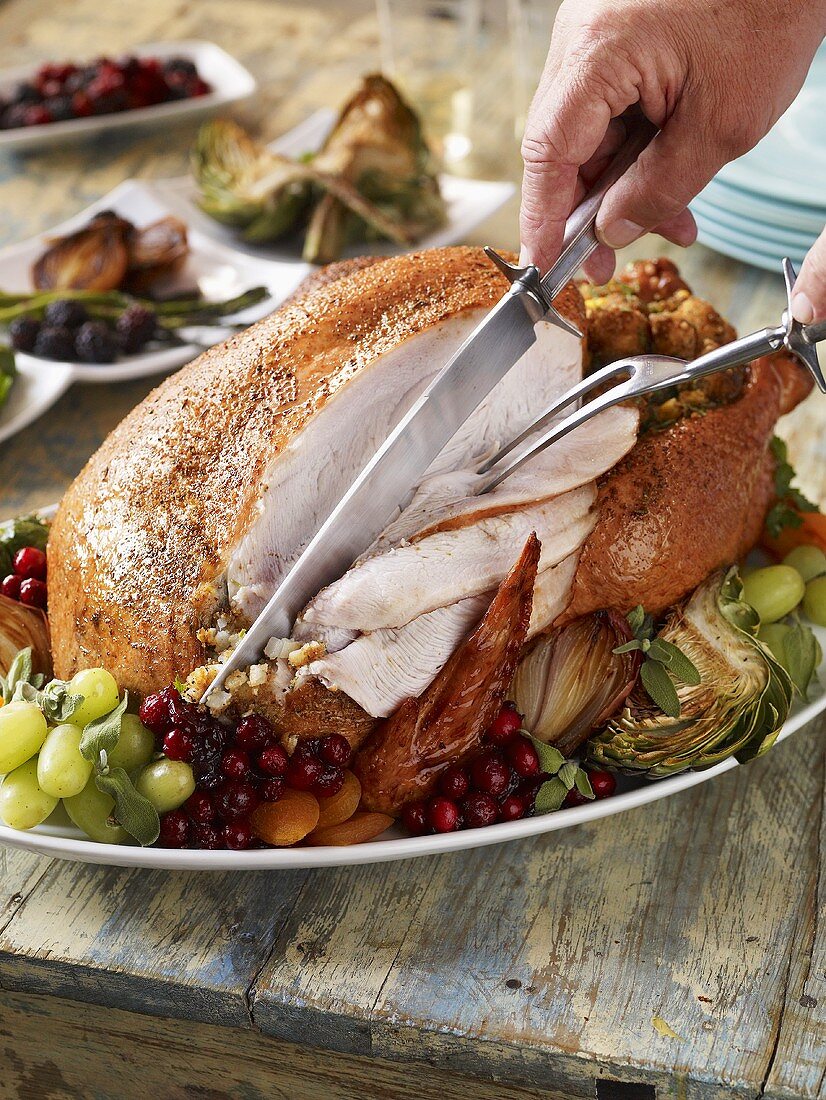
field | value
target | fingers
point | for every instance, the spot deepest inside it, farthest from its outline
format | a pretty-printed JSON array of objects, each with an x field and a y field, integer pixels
[
  {"x": 599, "y": 267},
  {"x": 809, "y": 297},
  {"x": 681, "y": 230},
  {"x": 655, "y": 191},
  {"x": 564, "y": 131}
]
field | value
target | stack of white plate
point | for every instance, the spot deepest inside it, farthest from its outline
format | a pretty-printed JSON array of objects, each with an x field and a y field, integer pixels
[{"x": 771, "y": 202}]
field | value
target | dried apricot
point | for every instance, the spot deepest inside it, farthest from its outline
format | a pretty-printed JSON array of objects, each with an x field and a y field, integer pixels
[
  {"x": 285, "y": 822},
  {"x": 340, "y": 806},
  {"x": 356, "y": 830}
]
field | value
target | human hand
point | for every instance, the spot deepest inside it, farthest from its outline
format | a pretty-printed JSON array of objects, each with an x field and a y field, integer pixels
[
  {"x": 714, "y": 75},
  {"x": 809, "y": 297}
]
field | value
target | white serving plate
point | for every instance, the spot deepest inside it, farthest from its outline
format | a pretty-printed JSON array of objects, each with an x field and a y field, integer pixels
[
  {"x": 750, "y": 229},
  {"x": 230, "y": 82},
  {"x": 220, "y": 272},
  {"x": 469, "y": 203},
  {"x": 59, "y": 838}
]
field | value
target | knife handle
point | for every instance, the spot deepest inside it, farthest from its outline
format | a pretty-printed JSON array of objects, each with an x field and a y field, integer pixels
[{"x": 580, "y": 240}]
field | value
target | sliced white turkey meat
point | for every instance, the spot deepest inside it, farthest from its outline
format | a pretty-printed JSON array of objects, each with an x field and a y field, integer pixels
[
  {"x": 381, "y": 669},
  {"x": 392, "y": 588}
]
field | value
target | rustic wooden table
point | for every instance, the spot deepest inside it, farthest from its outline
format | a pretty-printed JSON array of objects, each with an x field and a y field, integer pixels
[{"x": 678, "y": 950}]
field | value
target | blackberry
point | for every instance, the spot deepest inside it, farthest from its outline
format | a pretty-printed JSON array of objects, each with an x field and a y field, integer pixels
[
  {"x": 135, "y": 328},
  {"x": 26, "y": 94},
  {"x": 181, "y": 66},
  {"x": 55, "y": 342},
  {"x": 60, "y": 107},
  {"x": 23, "y": 333},
  {"x": 95, "y": 343},
  {"x": 65, "y": 312}
]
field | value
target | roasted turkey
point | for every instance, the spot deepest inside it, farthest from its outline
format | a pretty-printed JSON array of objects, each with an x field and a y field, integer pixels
[{"x": 198, "y": 503}]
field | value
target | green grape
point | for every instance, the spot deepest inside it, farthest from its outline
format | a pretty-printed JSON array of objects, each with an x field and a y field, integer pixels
[
  {"x": 61, "y": 770},
  {"x": 23, "y": 802},
  {"x": 22, "y": 731},
  {"x": 99, "y": 691},
  {"x": 91, "y": 810},
  {"x": 773, "y": 591},
  {"x": 773, "y": 635},
  {"x": 135, "y": 746},
  {"x": 809, "y": 561},
  {"x": 814, "y": 602},
  {"x": 166, "y": 783}
]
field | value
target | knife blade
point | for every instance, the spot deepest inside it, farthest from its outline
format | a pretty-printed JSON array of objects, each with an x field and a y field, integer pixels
[{"x": 388, "y": 481}]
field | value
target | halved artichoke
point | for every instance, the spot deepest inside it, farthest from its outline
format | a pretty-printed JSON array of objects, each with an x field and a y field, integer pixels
[{"x": 737, "y": 709}]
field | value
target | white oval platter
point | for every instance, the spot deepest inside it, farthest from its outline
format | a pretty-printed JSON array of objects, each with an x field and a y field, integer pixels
[{"x": 59, "y": 838}]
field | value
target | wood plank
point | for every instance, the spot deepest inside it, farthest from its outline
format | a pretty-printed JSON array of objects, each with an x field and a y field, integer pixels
[
  {"x": 186, "y": 945},
  {"x": 798, "y": 1067},
  {"x": 547, "y": 959},
  {"x": 20, "y": 872},
  {"x": 60, "y": 1050}
]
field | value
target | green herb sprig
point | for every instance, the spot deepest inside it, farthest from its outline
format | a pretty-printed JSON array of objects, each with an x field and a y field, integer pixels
[
  {"x": 785, "y": 512},
  {"x": 565, "y": 775},
  {"x": 662, "y": 663}
]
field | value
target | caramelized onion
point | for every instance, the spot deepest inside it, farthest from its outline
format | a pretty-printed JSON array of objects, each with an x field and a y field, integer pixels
[
  {"x": 571, "y": 681},
  {"x": 94, "y": 258},
  {"x": 20, "y": 627}
]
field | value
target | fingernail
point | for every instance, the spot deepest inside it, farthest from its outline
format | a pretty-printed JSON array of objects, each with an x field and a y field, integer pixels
[
  {"x": 523, "y": 257},
  {"x": 802, "y": 308},
  {"x": 619, "y": 233}
]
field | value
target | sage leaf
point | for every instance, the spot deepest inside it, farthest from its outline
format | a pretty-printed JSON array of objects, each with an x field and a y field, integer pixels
[
  {"x": 636, "y": 618},
  {"x": 550, "y": 796},
  {"x": 583, "y": 783},
  {"x": 134, "y": 812},
  {"x": 628, "y": 647},
  {"x": 676, "y": 661},
  {"x": 567, "y": 774},
  {"x": 800, "y": 649},
  {"x": 660, "y": 689},
  {"x": 550, "y": 758},
  {"x": 103, "y": 733},
  {"x": 54, "y": 700},
  {"x": 20, "y": 672}
]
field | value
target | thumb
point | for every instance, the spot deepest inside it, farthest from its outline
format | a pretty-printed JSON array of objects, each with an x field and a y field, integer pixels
[
  {"x": 809, "y": 297},
  {"x": 674, "y": 168}
]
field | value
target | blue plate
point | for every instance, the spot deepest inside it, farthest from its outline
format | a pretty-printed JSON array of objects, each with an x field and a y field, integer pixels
[
  {"x": 761, "y": 233},
  {"x": 803, "y": 219},
  {"x": 741, "y": 250}
]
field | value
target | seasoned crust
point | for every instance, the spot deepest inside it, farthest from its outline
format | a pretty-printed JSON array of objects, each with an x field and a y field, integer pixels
[{"x": 142, "y": 538}]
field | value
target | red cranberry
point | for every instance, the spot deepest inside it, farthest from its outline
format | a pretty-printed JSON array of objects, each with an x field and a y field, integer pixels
[
  {"x": 479, "y": 810},
  {"x": 36, "y": 116},
  {"x": 523, "y": 757},
  {"x": 254, "y": 733},
  {"x": 303, "y": 772},
  {"x": 199, "y": 807},
  {"x": 10, "y": 586},
  {"x": 455, "y": 783},
  {"x": 505, "y": 726},
  {"x": 512, "y": 808},
  {"x": 154, "y": 712},
  {"x": 174, "y": 830},
  {"x": 271, "y": 788},
  {"x": 237, "y": 835},
  {"x": 574, "y": 798},
  {"x": 443, "y": 814},
  {"x": 235, "y": 799},
  {"x": 30, "y": 562},
  {"x": 329, "y": 782},
  {"x": 33, "y": 593},
  {"x": 205, "y": 836},
  {"x": 81, "y": 105},
  {"x": 414, "y": 816},
  {"x": 604, "y": 783},
  {"x": 489, "y": 773},
  {"x": 273, "y": 761},
  {"x": 181, "y": 712},
  {"x": 177, "y": 744},
  {"x": 528, "y": 789},
  {"x": 235, "y": 764},
  {"x": 335, "y": 750},
  {"x": 207, "y": 775}
]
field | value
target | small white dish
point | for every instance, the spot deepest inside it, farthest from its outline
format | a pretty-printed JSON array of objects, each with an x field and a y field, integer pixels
[
  {"x": 469, "y": 203},
  {"x": 33, "y": 392},
  {"x": 230, "y": 82}
]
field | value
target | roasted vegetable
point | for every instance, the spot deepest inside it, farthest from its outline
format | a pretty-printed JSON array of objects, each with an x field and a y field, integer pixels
[
  {"x": 406, "y": 755},
  {"x": 742, "y": 700},
  {"x": 23, "y": 628},
  {"x": 93, "y": 258},
  {"x": 374, "y": 177},
  {"x": 570, "y": 681}
]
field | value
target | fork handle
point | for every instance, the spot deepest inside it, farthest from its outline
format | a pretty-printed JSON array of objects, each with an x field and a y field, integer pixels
[{"x": 580, "y": 238}]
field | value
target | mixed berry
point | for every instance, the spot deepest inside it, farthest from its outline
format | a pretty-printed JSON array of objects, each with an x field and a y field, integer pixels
[
  {"x": 27, "y": 582},
  {"x": 500, "y": 784},
  {"x": 63, "y": 91},
  {"x": 237, "y": 765},
  {"x": 67, "y": 333}
]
